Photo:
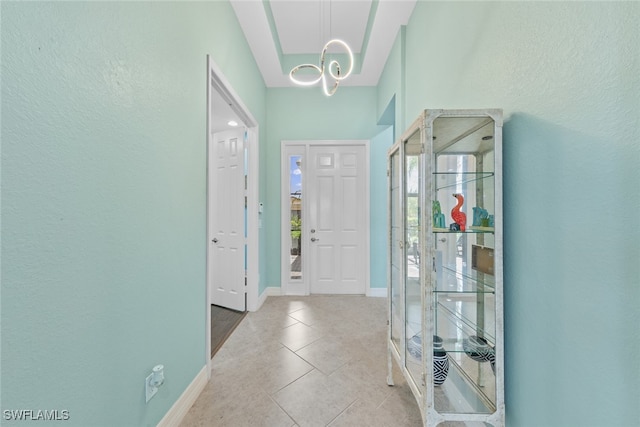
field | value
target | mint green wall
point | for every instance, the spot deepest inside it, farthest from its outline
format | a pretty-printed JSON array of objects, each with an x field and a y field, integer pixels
[
  {"x": 103, "y": 200},
  {"x": 306, "y": 114},
  {"x": 379, "y": 207},
  {"x": 566, "y": 75},
  {"x": 391, "y": 87}
]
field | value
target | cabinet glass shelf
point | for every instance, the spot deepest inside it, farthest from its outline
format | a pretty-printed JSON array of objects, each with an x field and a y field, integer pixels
[
  {"x": 456, "y": 323},
  {"x": 472, "y": 378},
  {"x": 454, "y": 179},
  {"x": 461, "y": 394},
  {"x": 470, "y": 230},
  {"x": 464, "y": 280}
]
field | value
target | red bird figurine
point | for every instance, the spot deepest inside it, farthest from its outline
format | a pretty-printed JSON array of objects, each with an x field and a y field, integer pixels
[{"x": 459, "y": 217}]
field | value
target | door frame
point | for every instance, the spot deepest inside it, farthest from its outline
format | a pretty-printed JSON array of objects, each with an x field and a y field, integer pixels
[
  {"x": 218, "y": 85},
  {"x": 302, "y": 147}
]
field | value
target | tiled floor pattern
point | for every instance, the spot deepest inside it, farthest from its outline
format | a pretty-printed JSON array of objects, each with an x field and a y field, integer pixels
[{"x": 307, "y": 361}]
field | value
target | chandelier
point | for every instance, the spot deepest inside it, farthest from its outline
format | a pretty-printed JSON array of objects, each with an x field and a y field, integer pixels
[{"x": 333, "y": 70}]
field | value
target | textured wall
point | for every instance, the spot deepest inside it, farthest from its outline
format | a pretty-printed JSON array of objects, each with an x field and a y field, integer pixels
[
  {"x": 391, "y": 87},
  {"x": 379, "y": 208},
  {"x": 103, "y": 200},
  {"x": 566, "y": 75}
]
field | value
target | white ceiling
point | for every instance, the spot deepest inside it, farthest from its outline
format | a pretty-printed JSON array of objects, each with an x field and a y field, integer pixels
[
  {"x": 276, "y": 29},
  {"x": 305, "y": 26}
]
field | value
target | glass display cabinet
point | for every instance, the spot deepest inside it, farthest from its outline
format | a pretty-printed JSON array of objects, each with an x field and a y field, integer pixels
[{"x": 445, "y": 266}]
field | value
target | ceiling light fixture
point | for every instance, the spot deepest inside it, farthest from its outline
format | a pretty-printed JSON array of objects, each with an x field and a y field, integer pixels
[
  {"x": 333, "y": 70},
  {"x": 232, "y": 123}
]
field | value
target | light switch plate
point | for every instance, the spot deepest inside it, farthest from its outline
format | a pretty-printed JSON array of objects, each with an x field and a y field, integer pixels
[{"x": 150, "y": 390}]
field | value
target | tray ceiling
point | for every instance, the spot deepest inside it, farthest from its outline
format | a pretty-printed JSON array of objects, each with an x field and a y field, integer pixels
[{"x": 285, "y": 33}]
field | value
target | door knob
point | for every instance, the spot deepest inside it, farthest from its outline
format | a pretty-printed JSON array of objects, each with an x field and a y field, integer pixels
[
  {"x": 313, "y": 239},
  {"x": 215, "y": 240}
]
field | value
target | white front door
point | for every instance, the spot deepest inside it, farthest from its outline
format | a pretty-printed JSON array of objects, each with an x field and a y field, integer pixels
[
  {"x": 227, "y": 210},
  {"x": 336, "y": 232}
]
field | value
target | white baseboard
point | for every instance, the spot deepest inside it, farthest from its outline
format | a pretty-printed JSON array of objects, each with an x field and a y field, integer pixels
[
  {"x": 176, "y": 414},
  {"x": 276, "y": 291},
  {"x": 270, "y": 291},
  {"x": 273, "y": 291},
  {"x": 261, "y": 299},
  {"x": 377, "y": 292}
]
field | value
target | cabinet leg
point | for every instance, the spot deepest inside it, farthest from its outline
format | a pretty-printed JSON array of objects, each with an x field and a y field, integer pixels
[{"x": 389, "y": 369}]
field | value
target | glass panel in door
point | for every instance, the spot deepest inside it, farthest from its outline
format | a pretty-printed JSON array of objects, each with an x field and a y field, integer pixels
[
  {"x": 413, "y": 301},
  {"x": 295, "y": 217},
  {"x": 395, "y": 244}
]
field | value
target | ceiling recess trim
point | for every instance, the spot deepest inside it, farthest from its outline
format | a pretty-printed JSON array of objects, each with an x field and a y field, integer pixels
[{"x": 388, "y": 16}]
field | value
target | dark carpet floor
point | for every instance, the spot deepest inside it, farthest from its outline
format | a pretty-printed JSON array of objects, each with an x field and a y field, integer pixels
[{"x": 223, "y": 322}]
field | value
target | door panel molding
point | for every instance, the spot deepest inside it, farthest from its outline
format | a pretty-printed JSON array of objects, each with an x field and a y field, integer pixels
[
  {"x": 227, "y": 193},
  {"x": 327, "y": 218}
]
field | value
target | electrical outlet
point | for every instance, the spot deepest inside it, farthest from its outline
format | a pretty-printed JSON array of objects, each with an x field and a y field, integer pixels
[{"x": 150, "y": 390}]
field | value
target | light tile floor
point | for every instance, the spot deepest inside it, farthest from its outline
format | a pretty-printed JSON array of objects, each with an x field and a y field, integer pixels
[{"x": 307, "y": 361}]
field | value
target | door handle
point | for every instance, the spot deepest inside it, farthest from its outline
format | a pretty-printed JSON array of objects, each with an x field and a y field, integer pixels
[
  {"x": 313, "y": 239},
  {"x": 215, "y": 240}
]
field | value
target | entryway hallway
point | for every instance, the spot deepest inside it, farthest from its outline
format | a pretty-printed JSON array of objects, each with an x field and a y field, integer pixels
[{"x": 307, "y": 361}]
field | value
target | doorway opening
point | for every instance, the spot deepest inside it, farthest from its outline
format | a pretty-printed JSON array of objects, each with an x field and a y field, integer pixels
[
  {"x": 232, "y": 202},
  {"x": 223, "y": 322},
  {"x": 325, "y": 217}
]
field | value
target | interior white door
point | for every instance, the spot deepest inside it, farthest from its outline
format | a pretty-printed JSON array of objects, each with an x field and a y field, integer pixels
[
  {"x": 227, "y": 239},
  {"x": 337, "y": 219}
]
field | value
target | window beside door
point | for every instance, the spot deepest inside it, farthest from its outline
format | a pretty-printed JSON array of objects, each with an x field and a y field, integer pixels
[{"x": 295, "y": 217}]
